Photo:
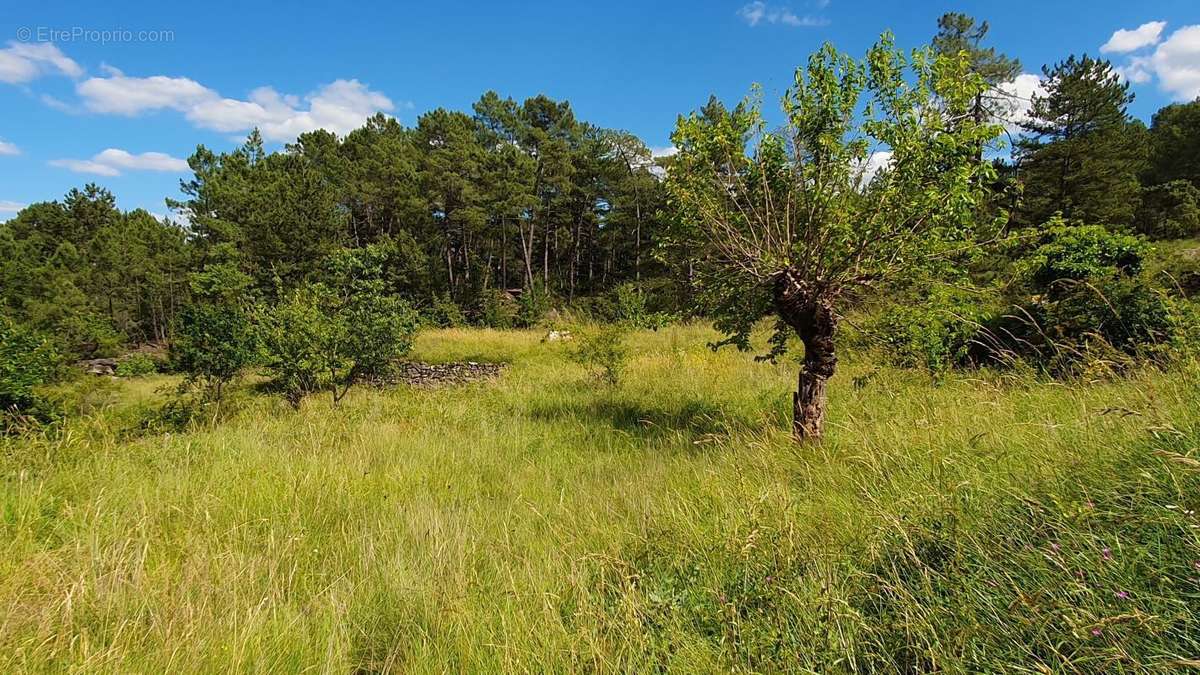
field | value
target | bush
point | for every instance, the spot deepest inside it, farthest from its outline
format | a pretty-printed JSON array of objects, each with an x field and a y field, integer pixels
[
  {"x": 1117, "y": 320},
  {"x": 1080, "y": 252},
  {"x": 598, "y": 308},
  {"x": 136, "y": 365},
  {"x": 445, "y": 313},
  {"x": 603, "y": 351},
  {"x": 630, "y": 306},
  {"x": 27, "y": 361},
  {"x": 497, "y": 309},
  {"x": 533, "y": 305},
  {"x": 1169, "y": 211},
  {"x": 377, "y": 329},
  {"x": 1182, "y": 272},
  {"x": 88, "y": 335},
  {"x": 299, "y": 342},
  {"x": 317, "y": 339},
  {"x": 213, "y": 343},
  {"x": 937, "y": 335}
]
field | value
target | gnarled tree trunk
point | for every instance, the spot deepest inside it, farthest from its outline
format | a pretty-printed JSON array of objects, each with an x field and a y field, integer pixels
[{"x": 808, "y": 309}]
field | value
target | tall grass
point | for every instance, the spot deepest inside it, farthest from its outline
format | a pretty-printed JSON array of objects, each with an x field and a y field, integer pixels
[{"x": 543, "y": 523}]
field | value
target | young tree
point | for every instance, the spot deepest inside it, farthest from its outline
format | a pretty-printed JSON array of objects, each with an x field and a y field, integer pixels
[
  {"x": 214, "y": 339},
  {"x": 787, "y": 222},
  {"x": 331, "y": 334}
]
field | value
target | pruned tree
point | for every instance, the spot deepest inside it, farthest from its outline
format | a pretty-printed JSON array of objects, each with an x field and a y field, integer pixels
[{"x": 874, "y": 174}]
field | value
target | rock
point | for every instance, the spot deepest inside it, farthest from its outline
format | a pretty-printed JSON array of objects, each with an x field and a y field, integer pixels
[
  {"x": 99, "y": 366},
  {"x": 427, "y": 375},
  {"x": 558, "y": 336}
]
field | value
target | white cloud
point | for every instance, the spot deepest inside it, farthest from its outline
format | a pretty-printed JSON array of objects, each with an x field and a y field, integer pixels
[
  {"x": 1176, "y": 62},
  {"x": 121, "y": 95},
  {"x": 7, "y": 206},
  {"x": 7, "y": 148},
  {"x": 1124, "y": 40},
  {"x": 1011, "y": 101},
  {"x": 113, "y": 161},
  {"x": 22, "y": 62},
  {"x": 85, "y": 166},
  {"x": 667, "y": 151},
  {"x": 339, "y": 106},
  {"x": 758, "y": 12},
  {"x": 876, "y": 162},
  {"x": 57, "y": 104},
  {"x": 1137, "y": 71}
]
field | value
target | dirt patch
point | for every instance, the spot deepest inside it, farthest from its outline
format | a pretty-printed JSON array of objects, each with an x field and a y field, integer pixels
[{"x": 428, "y": 375}]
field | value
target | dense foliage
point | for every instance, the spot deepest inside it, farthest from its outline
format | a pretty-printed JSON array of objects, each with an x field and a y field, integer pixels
[
  {"x": 27, "y": 361},
  {"x": 883, "y": 171}
]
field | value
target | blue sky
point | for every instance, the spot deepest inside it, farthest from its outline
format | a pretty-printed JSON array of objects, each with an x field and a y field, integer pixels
[{"x": 121, "y": 95}]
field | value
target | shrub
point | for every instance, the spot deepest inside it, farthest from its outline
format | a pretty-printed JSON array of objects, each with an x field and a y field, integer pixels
[
  {"x": 937, "y": 335},
  {"x": 445, "y": 313},
  {"x": 213, "y": 343},
  {"x": 317, "y": 339},
  {"x": 1169, "y": 211},
  {"x": 533, "y": 305},
  {"x": 27, "y": 361},
  {"x": 630, "y": 306},
  {"x": 1080, "y": 252},
  {"x": 377, "y": 329},
  {"x": 497, "y": 309},
  {"x": 1117, "y": 319},
  {"x": 88, "y": 335},
  {"x": 597, "y": 308},
  {"x": 603, "y": 351},
  {"x": 136, "y": 365},
  {"x": 299, "y": 342}
]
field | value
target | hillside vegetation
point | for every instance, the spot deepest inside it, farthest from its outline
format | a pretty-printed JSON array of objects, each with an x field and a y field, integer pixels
[{"x": 546, "y": 521}]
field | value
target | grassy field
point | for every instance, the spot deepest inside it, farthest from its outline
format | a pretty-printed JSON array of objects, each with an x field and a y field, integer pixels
[{"x": 545, "y": 522}]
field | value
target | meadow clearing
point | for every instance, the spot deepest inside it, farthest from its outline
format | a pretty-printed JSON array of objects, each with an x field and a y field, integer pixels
[{"x": 546, "y": 522}]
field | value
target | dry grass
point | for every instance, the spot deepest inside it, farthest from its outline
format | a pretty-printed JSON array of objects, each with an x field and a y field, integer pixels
[{"x": 546, "y": 522}]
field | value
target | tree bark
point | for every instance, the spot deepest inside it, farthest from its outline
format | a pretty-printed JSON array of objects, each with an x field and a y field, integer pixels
[{"x": 808, "y": 309}]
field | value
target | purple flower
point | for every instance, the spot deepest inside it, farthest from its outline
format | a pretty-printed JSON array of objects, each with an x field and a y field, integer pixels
[
  {"x": 1196, "y": 564},
  {"x": 1106, "y": 553},
  {"x": 1124, "y": 595},
  {"x": 770, "y": 579},
  {"x": 1096, "y": 632},
  {"x": 1055, "y": 547}
]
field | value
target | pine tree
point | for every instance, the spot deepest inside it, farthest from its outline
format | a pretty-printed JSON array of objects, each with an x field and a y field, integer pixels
[
  {"x": 1082, "y": 152},
  {"x": 959, "y": 33}
]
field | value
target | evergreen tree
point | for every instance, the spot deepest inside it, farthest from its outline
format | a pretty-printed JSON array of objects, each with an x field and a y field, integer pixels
[
  {"x": 960, "y": 33},
  {"x": 1175, "y": 144},
  {"x": 1082, "y": 153}
]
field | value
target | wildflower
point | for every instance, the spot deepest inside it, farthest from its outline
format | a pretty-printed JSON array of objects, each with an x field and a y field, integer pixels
[
  {"x": 1055, "y": 547},
  {"x": 1106, "y": 553},
  {"x": 1124, "y": 595},
  {"x": 1096, "y": 632}
]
